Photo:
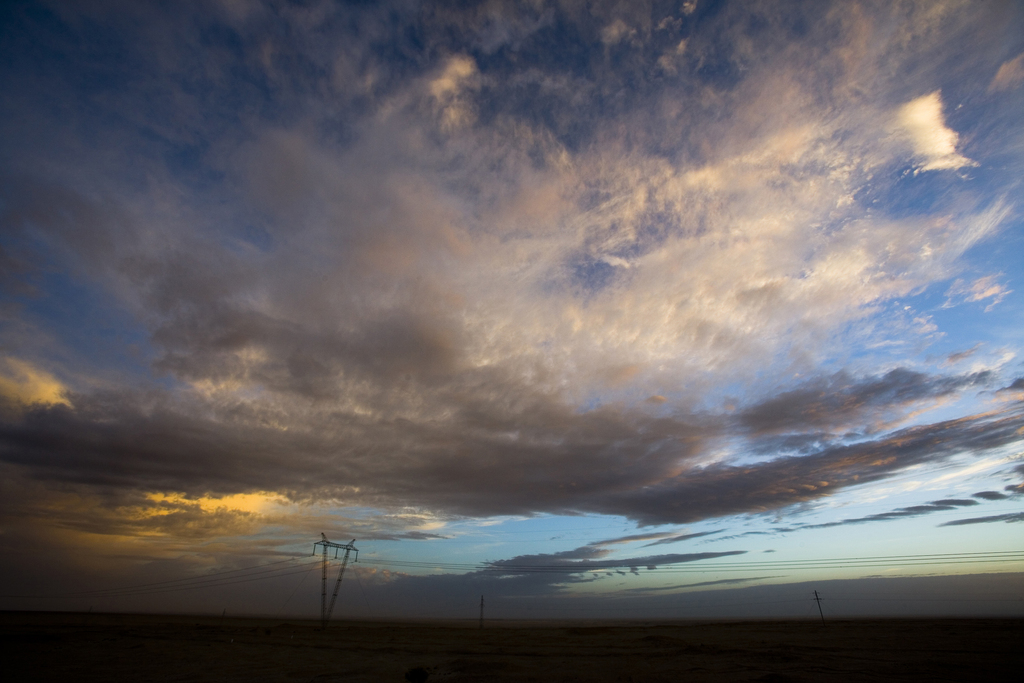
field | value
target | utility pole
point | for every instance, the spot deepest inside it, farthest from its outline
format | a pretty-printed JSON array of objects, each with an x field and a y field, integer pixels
[
  {"x": 481, "y": 611},
  {"x": 817, "y": 598},
  {"x": 325, "y": 609}
]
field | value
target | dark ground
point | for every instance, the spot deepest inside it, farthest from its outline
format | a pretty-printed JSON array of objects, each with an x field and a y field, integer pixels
[{"x": 74, "y": 648}]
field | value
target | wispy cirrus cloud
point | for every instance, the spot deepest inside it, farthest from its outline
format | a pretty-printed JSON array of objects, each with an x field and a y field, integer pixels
[
  {"x": 1010, "y": 75},
  {"x": 979, "y": 290}
]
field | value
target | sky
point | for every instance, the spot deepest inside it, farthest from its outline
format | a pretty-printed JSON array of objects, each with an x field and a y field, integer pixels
[{"x": 597, "y": 309}]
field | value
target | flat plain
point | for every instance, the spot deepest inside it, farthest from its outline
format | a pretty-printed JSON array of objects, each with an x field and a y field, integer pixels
[{"x": 75, "y": 648}]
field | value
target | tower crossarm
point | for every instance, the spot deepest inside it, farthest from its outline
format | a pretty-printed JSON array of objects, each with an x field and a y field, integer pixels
[{"x": 325, "y": 609}]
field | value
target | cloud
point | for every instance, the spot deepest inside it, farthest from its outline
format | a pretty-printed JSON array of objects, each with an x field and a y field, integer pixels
[
  {"x": 840, "y": 401},
  {"x": 979, "y": 290},
  {"x": 958, "y": 356},
  {"x": 369, "y": 219},
  {"x": 699, "y": 584},
  {"x": 162, "y": 526},
  {"x": 146, "y": 443},
  {"x": 658, "y": 538},
  {"x": 528, "y": 575},
  {"x": 616, "y": 32},
  {"x": 671, "y": 60},
  {"x": 477, "y": 265},
  {"x": 459, "y": 74},
  {"x": 1009, "y": 76},
  {"x": 932, "y": 141},
  {"x": 1008, "y": 517},
  {"x": 910, "y": 511},
  {"x": 632, "y": 538},
  {"x": 676, "y": 538},
  {"x": 722, "y": 489},
  {"x": 591, "y": 558},
  {"x": 22, "y": 384}
]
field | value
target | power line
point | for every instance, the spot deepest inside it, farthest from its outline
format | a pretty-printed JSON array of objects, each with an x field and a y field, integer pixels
[
  {"x": 297, "y": 586},
  {"x": 202, "y": 582},
  {"x": 171, "y": 586},
  {"x": 273, "y": 570},
  {"x": 204, "y": 576},
  {"x": 714, "y": 564}
]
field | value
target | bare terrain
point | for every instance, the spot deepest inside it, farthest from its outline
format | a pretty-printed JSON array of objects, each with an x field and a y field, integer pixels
[{"x": 74, "y": 648}]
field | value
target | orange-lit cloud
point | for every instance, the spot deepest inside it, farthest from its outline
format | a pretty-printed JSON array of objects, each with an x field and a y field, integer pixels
[{"x": 23, "y": 384}]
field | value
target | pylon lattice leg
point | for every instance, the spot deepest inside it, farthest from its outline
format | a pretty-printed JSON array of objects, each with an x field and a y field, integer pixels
[{"x": 337, "y": 584}]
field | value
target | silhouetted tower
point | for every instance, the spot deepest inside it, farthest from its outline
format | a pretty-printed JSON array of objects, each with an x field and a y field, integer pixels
[
  {"x": 325, "y": 609},
  {"x": 817, "y": 599},
  {"x": 481, "y": 611}
]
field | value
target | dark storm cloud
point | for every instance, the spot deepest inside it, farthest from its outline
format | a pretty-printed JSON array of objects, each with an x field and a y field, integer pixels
[
  {"x": 990, "y": 495},
  {"x": 489, "y": 457},
  {"x": 307, "y": 362},
  {"x": 722, "y": 489},
  {"x": 841, "y": 400},
  {"x": 589, "y": 558},
  {"x": 161, "y": 450},
  {"x": 1008, "y": 517},
  {"x": 468, "y": 464},
  {"x": 910, "y": 511}
]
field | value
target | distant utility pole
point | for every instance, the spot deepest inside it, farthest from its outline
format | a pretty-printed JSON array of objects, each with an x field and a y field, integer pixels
[
  {"x": 481, "y": 611},
  {"x": 817, "y": 598},
  {"x": 325, "y": 609}
]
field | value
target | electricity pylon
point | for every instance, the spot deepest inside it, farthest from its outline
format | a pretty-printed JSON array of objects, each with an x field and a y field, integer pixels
[{"x": 325, "y": 609}]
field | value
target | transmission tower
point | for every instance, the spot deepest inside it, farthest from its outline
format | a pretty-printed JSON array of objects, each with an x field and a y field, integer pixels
[{"x": 325, "y": 609}]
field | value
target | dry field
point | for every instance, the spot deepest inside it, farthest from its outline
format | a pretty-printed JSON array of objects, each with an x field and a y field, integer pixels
[{"x": 74, "y": 648}]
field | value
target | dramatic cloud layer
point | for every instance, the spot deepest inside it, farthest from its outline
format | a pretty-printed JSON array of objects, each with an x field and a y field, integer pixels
[{"x": 400, "y": 265}]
